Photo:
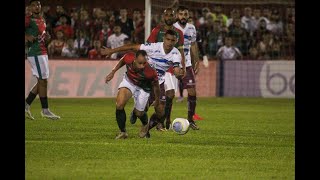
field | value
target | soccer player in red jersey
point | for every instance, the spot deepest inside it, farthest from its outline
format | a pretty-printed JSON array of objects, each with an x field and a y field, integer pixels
[
  {"x": 36, "y": 37},
  {"x": 162, "y": 56},
  {"x": 171, "y": 82},
  {"x": 137, "y": 82}
]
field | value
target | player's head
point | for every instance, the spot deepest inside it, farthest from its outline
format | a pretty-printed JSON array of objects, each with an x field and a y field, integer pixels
[
  {"x": 169, "y": 40},
  {"x": 182, "y": 15},
  {"x": 140, "y": 60},
  {"x": 168, "y": 16},
  {"x": 35, "y": 6}
]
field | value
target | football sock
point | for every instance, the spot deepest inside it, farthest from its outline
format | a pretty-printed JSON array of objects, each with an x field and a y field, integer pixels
[
  {"x": 144, "y": 118},
  {"x": 192, "y": 102},
  {"x": 121, "y": 119},
  {"x": 168, "y": 107},
  {"x": 30, "y": 98},
  {"x": 181, "y": 88},
  {"x": 44, "y": 102}
]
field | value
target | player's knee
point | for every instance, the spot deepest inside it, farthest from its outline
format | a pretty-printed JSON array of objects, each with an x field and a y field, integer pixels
[
  {"x": 139, "y": 113},
  {"x": 170, "y": 93},
  {"x": 192, "y": 92},
  {"x": 42, "y": 82},
  {"x": 120, "y": 105}
]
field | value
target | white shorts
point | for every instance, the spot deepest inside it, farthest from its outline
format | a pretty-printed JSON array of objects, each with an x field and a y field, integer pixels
[
  {"x": 170, "y": 82},
  {"x": 139, "y": 95},
  {"x": 39, "y": 66}
]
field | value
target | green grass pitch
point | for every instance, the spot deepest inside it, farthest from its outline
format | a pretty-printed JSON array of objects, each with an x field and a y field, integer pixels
[{"x": 239, "y": 138}]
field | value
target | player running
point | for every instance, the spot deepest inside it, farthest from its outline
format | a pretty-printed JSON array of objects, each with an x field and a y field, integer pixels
[{"x": 137, "y": 82}]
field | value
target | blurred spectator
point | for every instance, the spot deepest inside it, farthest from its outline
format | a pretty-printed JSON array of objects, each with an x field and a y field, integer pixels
[
  {"x": 214, "y": 39},
  {"x": 28, "y": 11},
  {"x": 289, "y": 41},
  {"x": 104, "y": 33},
  {"x": 247, "y": 20},
  {"x": 125, "y": 23},
  {"x": 259, "y": 32},
  {"x": 75, "y": 21},
  {"x": 81, "y": 43},
  {"x": 253, "y": 53},
  {"x": 138, "y": 24},
  {"x": 266, "y": 15},
  {"x": 68, "y": 49},
  {"x": 60, "y": 11},
  {"x": 63, "y": 26},
  {"x": 235, "y": 13},
  {"x": 95, "y": 53},
  {"x": 255, "y": 18},
  {"x": 264, "y": 47},
  {"x": 85, "y": 23},
  {"x": 228, "y": 51},
  {"x": 239, "y": 35},
  {"x": 56, "y": 45},
  {"x": 275, "y": 25},
  {"x": 218, "y": 15},
  {"x": 275, "y": 49},
  {"x": 116, "y": 40}
]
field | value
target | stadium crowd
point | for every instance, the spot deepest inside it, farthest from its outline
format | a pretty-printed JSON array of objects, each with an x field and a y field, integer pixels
[{"x": 258, "y": 33}]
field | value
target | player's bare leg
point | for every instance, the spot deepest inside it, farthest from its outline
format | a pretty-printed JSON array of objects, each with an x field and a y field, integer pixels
[
  {"x": 123, "y": 97},
  {"x": 32, "y": 95},
  {"x": 158, "y": 116},
  {"x": 143, "y": 116},
  {"x": 180, "y": 83},
  {"x": 168, "y": 107},
  {"x": 42, "y": 89},
  {"x": 192, "y": 102}
]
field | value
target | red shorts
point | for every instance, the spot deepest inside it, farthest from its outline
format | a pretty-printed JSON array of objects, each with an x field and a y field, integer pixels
[{"x": 189, "y": 79}]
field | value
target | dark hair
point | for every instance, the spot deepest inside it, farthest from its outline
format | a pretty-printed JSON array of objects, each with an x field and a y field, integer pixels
[
  {"x": 141, "y": 52},
  {"x": 182, "y": 8},
  {"x": 171, "y": 32},
  {"x": 33, "y": 1}
]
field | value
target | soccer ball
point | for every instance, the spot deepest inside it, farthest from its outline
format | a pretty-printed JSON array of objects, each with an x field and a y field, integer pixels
[{"x": 180, "y": 126}]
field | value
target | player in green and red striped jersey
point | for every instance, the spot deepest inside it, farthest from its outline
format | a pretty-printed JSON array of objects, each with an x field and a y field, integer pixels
[
  {"x": 36, "y": 37},
  {"x": 171, "y": 82},
  {"x": 137, "y": 82}
]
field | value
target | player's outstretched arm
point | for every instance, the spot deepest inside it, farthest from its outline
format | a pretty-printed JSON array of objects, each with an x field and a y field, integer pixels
[
  {"x": 115, "y": 69},
  {"x": 127, "y": 47}
]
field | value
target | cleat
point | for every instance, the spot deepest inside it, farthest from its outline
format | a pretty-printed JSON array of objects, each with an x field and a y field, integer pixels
[
  {"x": 133, "y": 118},
  {"x": 148, "y": 135},
  {"x": 48, "y": 114},
  {"x": 196, "y": 117},
  {"x": 122, "y": 135},
  {"x": 180, "y": 99},
  {"x": 194, "y": 126},
  {"x": 160, "y": 127},
  {"x": 144, "y": 130},
  {"x": 28, "y": 113},
  {"x": 168, "y": 125}
]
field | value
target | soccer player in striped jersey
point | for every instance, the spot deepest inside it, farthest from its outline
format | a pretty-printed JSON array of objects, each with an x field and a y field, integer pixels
[
  {"x": 36, "y": 37},
  {"x": 137, "y": 82},
  {"x": 171, "y": 82},
  {"x": 162, "y": 56},
  {"x": 192, "y": 60}
]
